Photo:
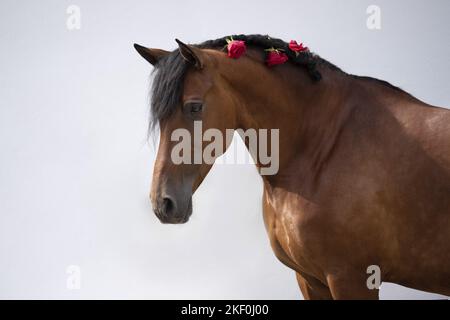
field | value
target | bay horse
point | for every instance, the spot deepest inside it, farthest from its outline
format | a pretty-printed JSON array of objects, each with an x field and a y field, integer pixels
[{"x": 364, "y": 167}]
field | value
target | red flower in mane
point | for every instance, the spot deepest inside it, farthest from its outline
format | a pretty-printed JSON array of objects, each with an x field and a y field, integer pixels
[
  {"x": 275, "y": 57},
  {"x": 294, "y": 46},
  {"x": 236, "y": 48}
]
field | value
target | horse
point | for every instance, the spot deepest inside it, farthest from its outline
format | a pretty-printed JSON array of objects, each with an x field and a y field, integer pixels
[{"x": 364, "y": 167}]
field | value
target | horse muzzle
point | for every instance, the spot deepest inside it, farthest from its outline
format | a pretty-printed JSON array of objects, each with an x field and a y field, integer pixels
[{"x": 171, "y": 210}]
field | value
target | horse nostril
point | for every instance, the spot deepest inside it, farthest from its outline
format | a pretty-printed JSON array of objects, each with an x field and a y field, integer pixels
[{"x": 167, "y": 205}]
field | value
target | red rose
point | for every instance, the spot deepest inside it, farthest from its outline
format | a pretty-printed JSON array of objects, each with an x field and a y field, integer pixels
[
  {"x": 275, "y": 57},
  {"x": 236, "y": 48},
  {"x": 294, "y": 46}
]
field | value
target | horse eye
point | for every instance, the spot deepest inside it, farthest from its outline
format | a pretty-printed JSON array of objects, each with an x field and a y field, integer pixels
[{"x": 195, "y": 107}]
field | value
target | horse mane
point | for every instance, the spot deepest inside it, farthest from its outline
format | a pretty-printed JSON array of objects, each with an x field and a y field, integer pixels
[{"x": 167, "y": 87}]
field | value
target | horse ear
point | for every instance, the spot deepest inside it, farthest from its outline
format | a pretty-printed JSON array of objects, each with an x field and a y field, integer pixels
[
  {"x": 151, "y": 55},
  {"x": 190, "y": 54}
]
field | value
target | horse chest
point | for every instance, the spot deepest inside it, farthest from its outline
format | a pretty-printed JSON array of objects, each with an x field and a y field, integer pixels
[{"x": 290, "y": 233}]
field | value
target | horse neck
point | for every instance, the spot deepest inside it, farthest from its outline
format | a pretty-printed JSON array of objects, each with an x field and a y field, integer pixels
[{"x": 308, "y": 114}]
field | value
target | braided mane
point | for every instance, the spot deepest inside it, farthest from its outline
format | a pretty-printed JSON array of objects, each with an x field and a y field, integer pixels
[{"x": 167, "y": 85}]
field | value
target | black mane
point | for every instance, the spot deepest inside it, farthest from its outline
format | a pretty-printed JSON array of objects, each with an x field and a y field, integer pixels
[{"x": 167, "y": 85}]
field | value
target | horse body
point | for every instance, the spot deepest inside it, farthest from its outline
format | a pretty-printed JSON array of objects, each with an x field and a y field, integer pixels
[
  {"x": 380, "y": 198},
  {"x": 364, "y": 170}
]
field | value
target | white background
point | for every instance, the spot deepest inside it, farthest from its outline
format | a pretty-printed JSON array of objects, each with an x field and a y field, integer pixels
[{"x": 75, "y": 168}]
